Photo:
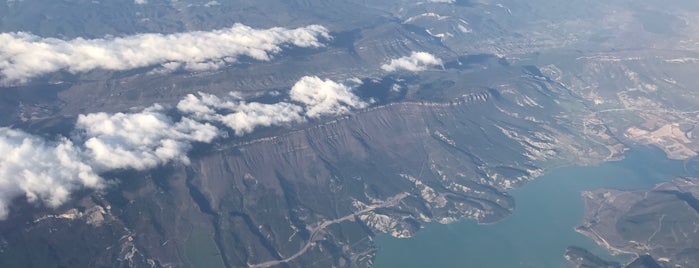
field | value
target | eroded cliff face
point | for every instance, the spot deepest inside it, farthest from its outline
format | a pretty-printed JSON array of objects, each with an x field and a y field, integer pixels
[
  {"x": 515, "y": 97},
  {"x": 315, "y": 195},
  {"x": 443, "y": 149}
]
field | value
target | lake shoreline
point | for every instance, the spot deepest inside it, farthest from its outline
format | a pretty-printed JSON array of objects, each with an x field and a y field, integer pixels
[{"x": 551, "y": 225}]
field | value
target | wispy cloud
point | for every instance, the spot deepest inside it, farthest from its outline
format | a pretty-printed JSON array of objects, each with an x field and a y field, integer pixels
[
  {"x": 416, "y": 62},
  {"x": 24, "y": 56}
]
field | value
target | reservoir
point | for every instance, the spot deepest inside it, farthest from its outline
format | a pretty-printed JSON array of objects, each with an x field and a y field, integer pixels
[{"x": 542, "y": 224}]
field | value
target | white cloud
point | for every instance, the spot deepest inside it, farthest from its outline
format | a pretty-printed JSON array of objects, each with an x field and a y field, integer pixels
[
  {"x": 442, "y": 1},
  {"x": 416, "y": 62},
  {"x": 248, "y": 116},
  {"x": 44, "y": 172},
  {"x": 140, "y": 140},
  {"x": 396, "y": 88},
  {"x": 324, "y": 97},
  {"x": 48, "y": 172},
  {"x": 24, "y": 56},
  {"x": 242, "y": 117},
  {"x": 212, "y": 3},
  {"x": 140, "y": 2},
  {"x": 318, "y": 98}
]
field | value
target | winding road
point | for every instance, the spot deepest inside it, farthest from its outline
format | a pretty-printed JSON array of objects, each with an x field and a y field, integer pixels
[{"x": 391, "y": 201}]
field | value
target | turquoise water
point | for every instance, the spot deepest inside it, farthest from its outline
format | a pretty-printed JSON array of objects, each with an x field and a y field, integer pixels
[{"x": 541, "y": 227}]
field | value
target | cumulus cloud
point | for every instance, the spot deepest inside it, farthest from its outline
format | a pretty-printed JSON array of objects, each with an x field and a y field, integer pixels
[
  {"x": 416, "y": 62},
  {"x": 311, "y": 97},
  {"x": 24, "y": 56},
  {"x": 140, "y": 140},
  {"x": 324, "y": 97},
  {"x": 242, "y": 117},
  {"x": 48, "y": 172},
  {"x": 42, "y": 171}
]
